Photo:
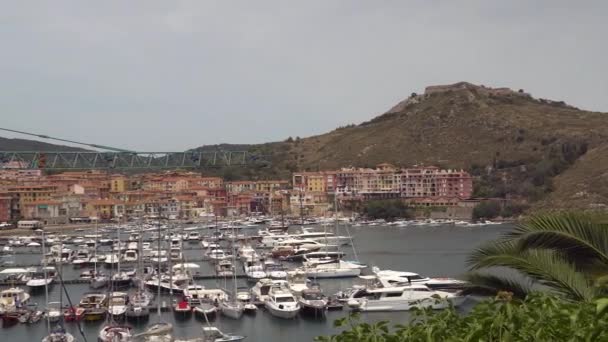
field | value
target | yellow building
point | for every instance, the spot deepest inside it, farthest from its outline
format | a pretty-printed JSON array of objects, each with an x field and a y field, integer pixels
[
  {"x": 316, "y": 183},
  {"x": 118, "y": 184}
]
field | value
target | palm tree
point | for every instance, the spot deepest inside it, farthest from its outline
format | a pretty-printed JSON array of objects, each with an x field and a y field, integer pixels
[{"x": 565, "y": 253}]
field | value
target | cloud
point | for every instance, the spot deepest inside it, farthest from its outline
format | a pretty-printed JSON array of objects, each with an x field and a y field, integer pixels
[{"x": 201, "y": 72}]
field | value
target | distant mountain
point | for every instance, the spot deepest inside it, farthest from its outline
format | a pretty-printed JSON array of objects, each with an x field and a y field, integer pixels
[
  {"x": 7, "y": 144},
  {"x": 542, "y": 151}
]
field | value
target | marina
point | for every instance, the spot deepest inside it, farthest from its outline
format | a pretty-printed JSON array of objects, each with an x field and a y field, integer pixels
[{"x": 434, "y": 249}]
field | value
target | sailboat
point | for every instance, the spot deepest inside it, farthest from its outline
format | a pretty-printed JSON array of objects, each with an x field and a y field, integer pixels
[
  {"x": 333, "y": 268},
  {"x": 140, "y": 300},
  {"x": 232, "y": 308},
  {"x": 58, "y": 333},
  {"x": 98, "y": 280},
  {"x": 182, "y": 309},
  {"x": 120, "y": 280},
  {"x": 111, "y": 331},
  {"x": 159, "y": 331}
]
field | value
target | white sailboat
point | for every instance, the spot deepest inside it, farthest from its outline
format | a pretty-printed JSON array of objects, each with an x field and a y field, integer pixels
[{"x": 232, "y": 308}]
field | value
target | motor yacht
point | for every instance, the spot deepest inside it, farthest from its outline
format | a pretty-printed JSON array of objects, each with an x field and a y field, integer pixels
[
  {"x": 401, "y": 298},
  {"x": 81, "y": 258},
  {"x": 94, "y": 305},
  {"x": 53, "y": 312},
  {"x": 117, "y": 305},
  {"x": 396, "y": 278},
  {"x": 224, "y": 268},
  {"x": 281, "y": 303},
  {"x": 274, "y": 270},
  {"x": 313, "y": 302},
  {"x": 182, "y": 309},
  {"x": 12, "y": 299},
  {"x": 40, "y": 279},
  {"x": 261, "y": 289},
  {"x": 334, "y": 269},
  {"x": 193, "y": 236},
  {"x": 130, "y": 256},
  {"x": 197, "y": 294},
  {"x": 297, "y": 281},
  {"x": 217, "y": 254},
  {"x": 245, "y": 298}
]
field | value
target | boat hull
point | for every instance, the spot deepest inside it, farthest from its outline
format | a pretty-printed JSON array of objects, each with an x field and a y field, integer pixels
[{"x": 282, "y": 313}]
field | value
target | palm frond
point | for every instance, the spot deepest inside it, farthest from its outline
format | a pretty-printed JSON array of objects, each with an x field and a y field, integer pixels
[
  {"x": 489, "y": 284},
  {"x": 546, "y": 268},
  {"x": 499, "y": 247},
  {"x": 583, "y": 237}
]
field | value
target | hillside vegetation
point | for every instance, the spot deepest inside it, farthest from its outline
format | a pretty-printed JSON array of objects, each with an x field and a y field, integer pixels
[
  {"x": 7, "y": 144},
  {"x": 517, "y": 146},
  {"x": 539, "y": 151}
]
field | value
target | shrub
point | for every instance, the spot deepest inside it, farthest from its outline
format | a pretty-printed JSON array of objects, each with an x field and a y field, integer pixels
[
  {"x": 486, "y": 210},
  {"x": 388, "y": 210},
  {"x": 540, "y": 317}
]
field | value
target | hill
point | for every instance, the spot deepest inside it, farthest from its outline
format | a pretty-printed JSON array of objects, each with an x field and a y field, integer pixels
[
  {"x": 7, "y": 144},
  {"x": 517, "y": 146}
]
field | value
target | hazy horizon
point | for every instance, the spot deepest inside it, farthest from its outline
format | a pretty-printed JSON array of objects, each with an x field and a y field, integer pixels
[{"x": 152, "y": 75}]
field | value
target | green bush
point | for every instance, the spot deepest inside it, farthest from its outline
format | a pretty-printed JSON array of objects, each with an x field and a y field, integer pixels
[
  {"x": 540, "y": 317},
  {"x": 486, "y": 210},
  {"x": 388, "y": 210}
]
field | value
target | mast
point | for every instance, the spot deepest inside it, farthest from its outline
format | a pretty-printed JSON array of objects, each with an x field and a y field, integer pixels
[
  {"x": 170, "y": 262},
  {"x": 95, "y": 252},
  {"x": 158, "y": 275},
  {"x": 46, "y": 284},
  {"x": 233, "y": 261},
  {"x": 118, "y": 255}
]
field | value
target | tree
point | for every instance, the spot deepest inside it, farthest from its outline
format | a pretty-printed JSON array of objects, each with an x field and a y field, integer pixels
[
  {"x": 540, "y": 317},
  {"x": 486, "y": 210},
  {"x": 565, "y": 253},
  {"x": 387, "y": 210}
]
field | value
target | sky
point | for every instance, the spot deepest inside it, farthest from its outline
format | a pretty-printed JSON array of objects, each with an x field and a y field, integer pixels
[{"x": 172, "y": 75}]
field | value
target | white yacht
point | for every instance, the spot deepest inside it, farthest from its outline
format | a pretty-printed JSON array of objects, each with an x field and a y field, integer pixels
[
  {"x": 333, "y": 269},
  {"x": 193, "y": 236},
  {"x": 401, "y": 298},
  {"x": 197, "y": 294},
  {"x": 217, "y": 254},
  {"x": 53, "y": 312},
  {"x": 117, "y": 305},
  {"x": 224, "y": 268},
  {"x": 82, "y": 257},
  {"x": 112, "y": 259},
  {"x": 254, "y": 272},
  {"x": 297, "y": 281},
  {"x": 246, "y": 252},
  {"x": 262, "y": 288},
  {"x": 41, "y": 278},
  {"x": 281, "y": 303},
  {"x": 13, "y": 298},
  {"x": 396, "y": 278},
  {"x": 130, "y": 256}
]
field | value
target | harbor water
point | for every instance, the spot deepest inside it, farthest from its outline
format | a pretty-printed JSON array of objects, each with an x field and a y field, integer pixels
[{"x": 429, "y": 250}]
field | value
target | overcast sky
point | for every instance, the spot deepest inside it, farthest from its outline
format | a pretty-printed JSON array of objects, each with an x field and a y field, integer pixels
[{"x": 172, "y": 75}]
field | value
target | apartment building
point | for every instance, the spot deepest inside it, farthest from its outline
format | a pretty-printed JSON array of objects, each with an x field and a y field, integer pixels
[{"x": 387, "y": 181}]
